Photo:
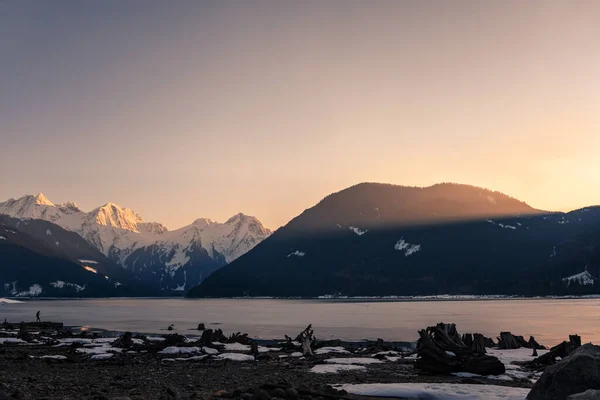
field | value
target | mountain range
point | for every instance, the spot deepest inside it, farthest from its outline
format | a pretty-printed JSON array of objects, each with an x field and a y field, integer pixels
[
  {"x": 367, "y": 240},
  {"x": 378, "y": 240},
  {"x": 118, "y": 240}
]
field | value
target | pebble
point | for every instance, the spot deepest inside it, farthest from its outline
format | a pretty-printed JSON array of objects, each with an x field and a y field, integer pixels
[
  {"x": 261, "y": 395},
  {"x": 291, "y": 393},
  {"x": 278, "y": 392}
]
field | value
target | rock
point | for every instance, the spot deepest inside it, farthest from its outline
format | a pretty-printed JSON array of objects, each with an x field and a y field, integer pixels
[
  {"x": 574, "y": 374},
  {"x": 173, "y": 393},
  {"x": 590, "y": 394},
  {"x": 201, "y": 327},
  {"x": 120, "y": 398},
  {"x": 246, "y": 396},
  {"x": 291, "y": 394},
  {"x": 278, "y": 393},
  {"x": 261, "y": 395}
]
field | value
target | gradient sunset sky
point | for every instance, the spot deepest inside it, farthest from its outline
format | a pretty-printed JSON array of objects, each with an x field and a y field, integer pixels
[{"x": 186, "y": 109}]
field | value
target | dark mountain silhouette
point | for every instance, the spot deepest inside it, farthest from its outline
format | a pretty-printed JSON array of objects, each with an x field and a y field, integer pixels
[
  {"x": 38, "y": 258},
  {"x": 376, "y": 239}
]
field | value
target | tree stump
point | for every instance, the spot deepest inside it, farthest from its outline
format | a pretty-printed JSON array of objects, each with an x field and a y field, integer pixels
[
  {"x": 123, "y": 342},
  {"x": 561, "y": 350},
  {"x": 442, "y": 351},
  {"x": 207, "y": 338},
  {"x": 507, "y": 341},
  {"x": 305, "y": 338},
  {"x": 478, "y": 345},
  {"x": 467, "y": 339}
]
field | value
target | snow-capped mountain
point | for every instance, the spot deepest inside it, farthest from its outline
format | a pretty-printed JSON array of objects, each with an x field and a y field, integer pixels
[{"x": 176, "y": 259}]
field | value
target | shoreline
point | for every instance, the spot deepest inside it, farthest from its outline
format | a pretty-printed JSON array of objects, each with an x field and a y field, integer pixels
[
  {"x": 432, "y": 298},
  {"x": 92, "y": 366}
]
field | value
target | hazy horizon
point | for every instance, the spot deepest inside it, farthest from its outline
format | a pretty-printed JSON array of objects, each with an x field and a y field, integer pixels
[
  {"x": 210, "y": 108},
  {"x": 284, "y": 223}
]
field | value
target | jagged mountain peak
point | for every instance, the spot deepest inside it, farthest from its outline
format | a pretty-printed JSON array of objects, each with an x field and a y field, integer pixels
[
  {"x": 70, "y": 205},
  {"x": 110, "y": 214},
  {"x": 202, "y": 222},
  {"x": 241, "y": 217},
  {"x": 175, "y": 259},
  {"x": 40, "y": 199}
]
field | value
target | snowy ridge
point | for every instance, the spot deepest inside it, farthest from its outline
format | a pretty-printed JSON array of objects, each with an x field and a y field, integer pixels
[
  {"x": 409, "y": 249},
  {"x": 119, "y": 232},
  {"x": 583, "y": 278}
]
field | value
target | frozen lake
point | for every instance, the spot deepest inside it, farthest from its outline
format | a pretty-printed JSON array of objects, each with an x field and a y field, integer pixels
[{"x": 549, "y": 320}]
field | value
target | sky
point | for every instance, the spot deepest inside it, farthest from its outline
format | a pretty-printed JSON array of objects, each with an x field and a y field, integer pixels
[{"x": 187, "y": 109}]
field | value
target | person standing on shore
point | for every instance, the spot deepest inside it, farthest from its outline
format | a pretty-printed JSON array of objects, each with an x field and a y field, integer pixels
[{"x": 37, "y": 317}]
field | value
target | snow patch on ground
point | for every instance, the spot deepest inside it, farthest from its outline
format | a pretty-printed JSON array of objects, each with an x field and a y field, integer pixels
[
  {"x": 236, "y": 347},
  {"x": 235, "y": 357},
  {"x": 195, "y": 358},
  {"x": 103, "y": 356},
  {"x": 57, "y": 357},
  {"x": 437, "y": 391},
  {"x": 335, "y": 368},
  {"x": 88, "y": 261},
  {"x": 327, "y": 350},
  {"x": 180, "y": 350},
  {"x": 355, "y": 361},
  {"x": 210, "y": 351},
  {"x": 12, "y": 341}
]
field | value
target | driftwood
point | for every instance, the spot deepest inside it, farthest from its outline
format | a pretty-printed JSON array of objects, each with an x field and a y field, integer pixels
[
  {"x": 442, "y": 351},
  {"x": 174, "y": 339},
  {"x": 561, "y": 350},
  {"x": 478, "y": 345},
  {"x": 207, "y": 338},
  {"x": 305, "y": 338},
  {"x": 506, "y": 340},
  {"x": 124, "y": 342}
]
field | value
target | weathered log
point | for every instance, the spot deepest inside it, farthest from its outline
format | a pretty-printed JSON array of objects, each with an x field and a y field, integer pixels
[
  {"x": 506, "y": 340},
  {"x": 207, "y": 338},
  {"x": 535, "y": 345},
  {"x": 239, "y": 338},
  {"x": 174, "y": 339},
  {"x": 489, "y": 342},
  {"x": 561, "y": 350},
  {"x": 442, "y": 351},
  {"x": 124, "y": 342},
  {"x": 467, "y": 339},
  {"x": 575, "y": 341},
  {"x": 305, "y": 338},
  {"x": 254, "y": 349},
  {"x": 478, "y": 345}
]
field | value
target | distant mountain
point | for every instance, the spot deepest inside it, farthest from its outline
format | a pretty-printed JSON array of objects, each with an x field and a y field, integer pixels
[
  {"x": 376, "y": 239},
  {"x": 31, "y": 265},
  {"x": 171, "y": 260}
]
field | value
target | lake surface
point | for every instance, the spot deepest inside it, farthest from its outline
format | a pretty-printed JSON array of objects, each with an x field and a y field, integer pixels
[{"x": 549, "y": 320}]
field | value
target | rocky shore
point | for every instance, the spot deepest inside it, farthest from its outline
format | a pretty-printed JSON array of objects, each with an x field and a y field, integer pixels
[{"x": 52, "y": 363}]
